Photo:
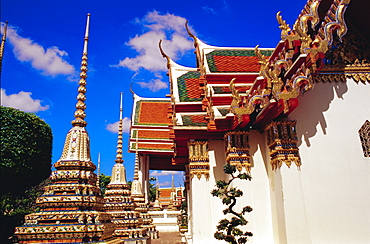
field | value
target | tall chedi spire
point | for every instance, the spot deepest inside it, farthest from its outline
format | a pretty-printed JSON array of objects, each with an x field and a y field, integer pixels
[
  {"x": 3, "y": 39},
  {"x": 98, "y": 172},
  {"x": 139, "y": 199},
  {"x": 118, "y": 201},
  {"x": 71, "y": 207}
]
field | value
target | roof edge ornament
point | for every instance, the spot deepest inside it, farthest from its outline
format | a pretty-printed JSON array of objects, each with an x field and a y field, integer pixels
[
  {"x": 81, "y": 98},
  {"x": 164, "y": 54},
  {"x": 131, "y": 90},
  {"x": 189, "y": 33},
  {"x": 283, "y": 26}
]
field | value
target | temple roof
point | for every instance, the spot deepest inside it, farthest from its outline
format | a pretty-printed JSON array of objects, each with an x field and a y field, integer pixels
[
  {"x": 188, "y": 87},
  {"x": 234, "y": 60},
  {"x": 151, "y": 112},
  {"x": 217, "y": 60},
  {"x": 246, "y": 88},
  {"x": 150, "y": 126}
]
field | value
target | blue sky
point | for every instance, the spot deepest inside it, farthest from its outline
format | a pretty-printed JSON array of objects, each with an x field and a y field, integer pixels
[{"x": 44, "y": 48}]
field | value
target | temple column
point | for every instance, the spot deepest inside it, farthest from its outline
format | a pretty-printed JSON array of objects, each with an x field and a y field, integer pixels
[
  {"x": 144, "y": 175},
  {"x": 206, "y": 159}
]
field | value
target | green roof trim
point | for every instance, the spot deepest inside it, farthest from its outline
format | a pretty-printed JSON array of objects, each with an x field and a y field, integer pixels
[
  {"x": 185, "y": 88},
  {"x": 224, "y": 111},
  {"x": 188, "y": 121}
]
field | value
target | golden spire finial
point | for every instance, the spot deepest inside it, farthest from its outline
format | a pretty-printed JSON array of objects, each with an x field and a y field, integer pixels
[
  {"x": 98, "y": 173},
  {"x": 136, "y": 172},
  {"x": 81, "y": 98},
  {"x": 3, "y": 39},
  {"x": 119, "y": 156}
]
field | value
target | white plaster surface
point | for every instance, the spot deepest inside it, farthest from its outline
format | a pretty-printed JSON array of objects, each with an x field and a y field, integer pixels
[{"x": 327, "y": 201}]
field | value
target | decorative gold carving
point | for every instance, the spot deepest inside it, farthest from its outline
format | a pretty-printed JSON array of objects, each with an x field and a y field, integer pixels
[
  {"x": 282, "y": 141},
  {"x": 263, "y": 61},
  {"x": 283, "y": 26},
  {"x": 346, "y": 59},
  {"x": 235, "y": 107},
  {"x": 364, "y": 133},
  {"x": 198, "y": 158},
  {"x": 239, "y": 106},
  {"x": 357, "y": 72},
  {"x": 276, "y": 86},
  {"x": 237, "y": 149},
  {"x": 313, "y": 16}
]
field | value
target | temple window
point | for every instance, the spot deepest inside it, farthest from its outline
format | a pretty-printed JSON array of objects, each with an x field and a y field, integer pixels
[{"x": 364, "y": 133}]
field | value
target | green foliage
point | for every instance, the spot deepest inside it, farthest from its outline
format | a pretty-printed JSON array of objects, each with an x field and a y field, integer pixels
[
  {"x": 104, "y": 180},
  {"x": 25, "y": 151},
  {"x": 182, "y": 220},
  {"x": 25, "y": 161},
  {"x": 152, "y": 189},
  {"x": 227, "y": 229}
]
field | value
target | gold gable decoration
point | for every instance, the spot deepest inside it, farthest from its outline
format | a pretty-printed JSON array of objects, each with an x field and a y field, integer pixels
[
  {"x": 282, "y": 141},
  {"x": 237, "y": 149},
  {"x": 347, "y": 59},
  {"x": 198, "y": 158}
]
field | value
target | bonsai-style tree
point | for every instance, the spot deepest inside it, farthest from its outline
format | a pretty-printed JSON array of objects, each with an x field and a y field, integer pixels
[{"x": 228, "y": 229}]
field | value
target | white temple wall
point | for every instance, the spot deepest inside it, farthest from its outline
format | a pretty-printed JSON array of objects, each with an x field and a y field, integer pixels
[
  {"x": 256, "y": 193},
  {"x": 206, "y": 210},
  {"x": 327, "y": 201}
]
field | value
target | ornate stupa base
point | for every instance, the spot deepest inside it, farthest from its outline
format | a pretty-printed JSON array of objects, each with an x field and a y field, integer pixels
[{"x": 76, "y": 233}]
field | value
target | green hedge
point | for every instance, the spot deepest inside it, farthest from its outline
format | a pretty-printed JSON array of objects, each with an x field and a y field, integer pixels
[{"x": 25, "y": 161}]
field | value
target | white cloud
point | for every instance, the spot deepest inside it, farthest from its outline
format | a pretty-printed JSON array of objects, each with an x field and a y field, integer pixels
[
  {"x": 126, "y": 123},
  {"x": 156, "y": 173},
  {"x": 153, "y": 85},
  {"x": 50, "y": 61},
  {"x": 209, "y": 10},
  {"x": 168, "y": 27},
  {"x": 22, "y": 101},
  {"x": 166, "y": 183}
]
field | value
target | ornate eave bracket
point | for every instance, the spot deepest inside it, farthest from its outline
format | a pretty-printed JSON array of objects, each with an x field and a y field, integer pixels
[
  {"x": 198, "y": 159},
  {"x": 237, "y": 150},
  {"x": 282, "y": 142},
  {"x": 241, "y": 107}
]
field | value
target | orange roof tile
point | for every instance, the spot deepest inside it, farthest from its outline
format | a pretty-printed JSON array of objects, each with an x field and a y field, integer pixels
[
  {"x": 155, "y": 146},
  {"x": 152, "y": 113},
  {"x": 236, "y": 63},
  {"x": 154, "y": 134}
]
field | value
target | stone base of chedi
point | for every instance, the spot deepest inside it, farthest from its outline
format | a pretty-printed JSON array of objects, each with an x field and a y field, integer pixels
[
  {"x": 70, "y": 209},
  {"x": 128, "y": 222}
]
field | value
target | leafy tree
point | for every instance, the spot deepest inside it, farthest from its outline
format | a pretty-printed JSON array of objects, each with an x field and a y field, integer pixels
[
  {"x": 227, "y": 229},
  {"x": 104, "y": 180},
  {"x": 152, "y": 189},
  {"x": 25, "y": 161}
]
